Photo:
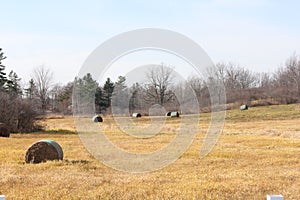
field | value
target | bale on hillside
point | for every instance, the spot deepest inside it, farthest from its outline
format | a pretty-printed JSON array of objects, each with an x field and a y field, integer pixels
[
  {"x": 136, "y": 115},
  {"x": 44, "y": 150},
  {"x": 168, "y": 114},
  {"x": 174, "y": 114},
  {"x": 244, "y": 107},
  {"x": 97, "y": 118},
  {"x": 4, "y": 132}
]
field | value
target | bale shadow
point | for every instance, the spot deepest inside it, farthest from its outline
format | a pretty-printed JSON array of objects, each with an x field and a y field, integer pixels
[
  {"x": 60, "y": 131},
  {"x": 74, "y": 162}
]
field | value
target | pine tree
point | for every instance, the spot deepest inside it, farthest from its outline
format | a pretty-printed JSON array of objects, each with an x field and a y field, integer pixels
[
  {"x": 120, "y": 97},
  {"x": 31, "y": 90},
  {"x": 108, "y": 89},
  {"x": 13, "y": 84},
  {"x": 120, "y": 84},
  {"x": 64, "y": 96},
  {"x": 100, "y": 102},
  {"x": 136, "y": 98},
  {"x": 84, "y": 94},
  {"x": 3, "y": 78}
]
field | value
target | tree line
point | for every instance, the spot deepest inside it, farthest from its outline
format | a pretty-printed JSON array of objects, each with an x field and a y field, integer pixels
[
  {"x": 20, "y": 105},
  {"x": 242, "y": 86}
]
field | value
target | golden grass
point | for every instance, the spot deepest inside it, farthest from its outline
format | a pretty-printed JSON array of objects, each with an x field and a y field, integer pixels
[{"x": 253, "y": 158}]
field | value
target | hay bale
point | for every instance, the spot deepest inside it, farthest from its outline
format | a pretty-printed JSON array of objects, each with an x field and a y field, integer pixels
[
  {"x": 136, "y": 115},
  {"x": 174, "y": 114},
  {"x": 168, "y": 114},
  {"x": 97, "y": 118},
  {"x": 42, "y": 151},
  {"x": 243, "y": 107},
  {"x": 4, "y": 132}
]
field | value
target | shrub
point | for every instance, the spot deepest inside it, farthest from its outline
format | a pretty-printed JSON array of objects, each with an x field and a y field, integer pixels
[{"x": 16, "y": 113}]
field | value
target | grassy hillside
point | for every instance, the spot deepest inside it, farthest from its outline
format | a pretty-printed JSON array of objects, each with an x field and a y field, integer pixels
[{"x": 258, "y": 154}]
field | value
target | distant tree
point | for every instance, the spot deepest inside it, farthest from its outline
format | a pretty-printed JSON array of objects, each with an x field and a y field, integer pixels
[
  {"x": 31, "y": 90},
  {"x": 120, "y": 97},
  {"x": 238, "y": 81},
  {"x": 293, "y": 71},
  {"x": 246, "y": 79},
  {"x": 100, "y": 101},
  {"x": 55, "y": 91},
  {"x": 265, "y": 80},
  {"x": 121, "y": 83},
  {"x": 64, "y": 98},
  {"x": 108, "y": 89},
  {"x": 89, "y": 86},
  {"x": 216, "y": 76},
  {"x": 3, "y": 78},
  {"x": 199, "y": 86},
  {"x": 43, "y": 79},
  {"x": 231, "y": 79},
  {"x": 17, "y": 114},
  {"x": 286, "y": 81},
  {"x": 13, "y": 84},
  {"x": 158, "y": 86},
  {"x": 84, "y": 90}
]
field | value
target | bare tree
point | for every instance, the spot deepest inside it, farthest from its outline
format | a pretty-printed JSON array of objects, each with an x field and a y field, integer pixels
[
  {"x": 199, "y": 86},
  {"x": 158, "y": 88},
  {"x": 238, "y": 81},
  {"x": 216, "y": 76},
  {"x": 55, "y": 91},
  {"x": 232, "y": 76},
  {"x": 238, "y": 77},
  {"x": 43, "y": 79},
  {"x": 286, "y": 81},
  {"x": 293, "y": 71},
  {"x": 265, "y": 80},
  {"x": 246, "y": 79},
  {"x": 136, "y": 101},
  {"x": 16, "y": 113}
]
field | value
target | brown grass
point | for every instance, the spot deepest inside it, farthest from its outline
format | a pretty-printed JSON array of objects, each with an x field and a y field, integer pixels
[{"x": 253, "y": 158}]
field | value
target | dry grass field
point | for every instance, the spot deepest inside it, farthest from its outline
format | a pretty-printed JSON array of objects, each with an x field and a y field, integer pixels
[{"x": 257, "y": 154}]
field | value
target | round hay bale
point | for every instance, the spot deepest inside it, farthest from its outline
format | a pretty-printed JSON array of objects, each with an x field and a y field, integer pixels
[
  {"x": 4, "y": 132},
  {"x": 44, "y": 150},
  {"x": 168, "y": 114},
  {"x": 97, "y": 118},
  {"x": 174, "y": 114},
  {"x": 136, "y": 115},
  {"x": 244, "y": 107}
]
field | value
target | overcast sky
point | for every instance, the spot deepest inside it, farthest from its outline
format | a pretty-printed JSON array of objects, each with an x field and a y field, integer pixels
[{"x": 257, "y": 34}]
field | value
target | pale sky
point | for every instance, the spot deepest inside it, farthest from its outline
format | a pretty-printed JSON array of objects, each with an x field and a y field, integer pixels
[{"x": 258, "y": 34}]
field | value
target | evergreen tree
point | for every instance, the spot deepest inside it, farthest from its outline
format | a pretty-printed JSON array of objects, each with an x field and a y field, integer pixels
[
  {"x": 13, "y": 84},
  {"x": 108, "y": 89},
  {"x": 84, "y": 94},
  {"x": 87, "y": 88},
  {"x": 120, "y": 97},
  {"x": 66, "y": 92},
  {"x": 31, "y": 90},
  {"x": 120, "y": 84},
  {"x": 100, "y": 101},
  {"x": 65, "y": 98},
  {"x": 3, "y": 78},
  {"x": 136, "y": 101}
]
